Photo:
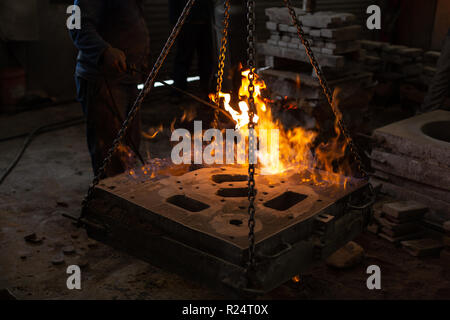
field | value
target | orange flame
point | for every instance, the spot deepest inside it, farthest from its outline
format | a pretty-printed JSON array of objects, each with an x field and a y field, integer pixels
[{"x": 294, "y": 145}]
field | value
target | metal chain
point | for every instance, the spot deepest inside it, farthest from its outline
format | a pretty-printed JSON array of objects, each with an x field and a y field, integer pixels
[
  {"x": 251, "y": 126},
  {"x": 327, "y": 92},
  {"x": 222, "y": 56},
  {"x": 136, "y": 106}
]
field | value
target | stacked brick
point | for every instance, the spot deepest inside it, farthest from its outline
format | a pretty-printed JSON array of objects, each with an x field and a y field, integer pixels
[
  {"x": 399, "y": 221},
  {"x": 399, "y": 62},
  {"x": 333, "y": 38},
  {"x": 330, "y": 35}
]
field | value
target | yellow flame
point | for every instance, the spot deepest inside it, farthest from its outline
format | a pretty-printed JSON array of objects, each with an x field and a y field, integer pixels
[{"x": 294, "y": 145}]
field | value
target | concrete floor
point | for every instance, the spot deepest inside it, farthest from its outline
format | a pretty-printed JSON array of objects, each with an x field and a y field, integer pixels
[{"x": 52, "y": 178}]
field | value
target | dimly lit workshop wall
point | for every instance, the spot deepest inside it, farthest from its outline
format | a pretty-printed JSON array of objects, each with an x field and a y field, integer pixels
[{"x": 38, "y": 40}]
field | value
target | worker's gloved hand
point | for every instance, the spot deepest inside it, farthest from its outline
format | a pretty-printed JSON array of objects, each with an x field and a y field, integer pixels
[{"x": 114, "y": 60}]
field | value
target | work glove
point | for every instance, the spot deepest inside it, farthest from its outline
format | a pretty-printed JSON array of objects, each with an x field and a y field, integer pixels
[{"x": 114, "y": 60}]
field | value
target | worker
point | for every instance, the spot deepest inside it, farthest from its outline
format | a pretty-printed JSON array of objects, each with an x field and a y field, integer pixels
[
  {"x": 196, "y": 37},
  {"x": 113, "y": 36},
  {"x": 439, "y": 89}
]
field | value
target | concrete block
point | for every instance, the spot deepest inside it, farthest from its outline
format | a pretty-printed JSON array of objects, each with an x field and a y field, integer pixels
[
  {"x": 394, "y": 48},
  {"x": 306, "y": 29},
  {"x": 348, "y": 256},
  {"x": 445, "y": 255},
  {"x": 446, "y": 241},
  {"x": 429, "y": 71},
  {"x": 431, "y": 56},
  {"x": 421, "y": 186},
  {"x": 293, "y": 45},
  {"x": 411, "y": 52},
  {"x": 395, "y": 58},
  {"x": 282, "y": 44},
  {"x": 412, "y": 69},
  {"x": 446, "y": 226},
  {"x": 316, "y": 50},
  {"x": 407, "y": 138},
  {"x": 373, "y": 45},
  {"x": 373, "y": 228},
  {"x": 342, "y": 34},
  {"x": 272, "y": 26},
  {"x": 281, "y": 14},
  {"x": 373, "y": 61},
  {"x": 275, "y": 37},
  {"x": 272, "y": 42},
  {"x": 327, "y": 19},
  {"x": 286, "y": 38},
  {"x": 314, "y": 32},
  {"x": 402, "y": 210},
  {"x": 340, "y": 47},
  {"x": 400, "y": 238},
  {"x": 283, "y": 27},
  {"x": 440, "y": 210},
  {"x": 293, "y": 29}
]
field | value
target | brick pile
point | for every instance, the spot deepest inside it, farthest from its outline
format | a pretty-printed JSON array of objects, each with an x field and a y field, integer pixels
[
  {"x": 334, "y": 40},
  {"x": 399, "y": 221},
  {"x": 430, "y": 59}
]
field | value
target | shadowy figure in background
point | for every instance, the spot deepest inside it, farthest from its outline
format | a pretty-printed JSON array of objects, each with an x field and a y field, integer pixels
[
  {"x": 196, "y": 37},
  {"x": 438, "y": 92},
  {"x": 113, "y": 36}
]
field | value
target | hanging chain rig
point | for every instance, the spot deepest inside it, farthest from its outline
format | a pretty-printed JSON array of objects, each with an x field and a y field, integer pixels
[
  {"x": 251, "y": 136},
  {"x": 222, "y": 57}
]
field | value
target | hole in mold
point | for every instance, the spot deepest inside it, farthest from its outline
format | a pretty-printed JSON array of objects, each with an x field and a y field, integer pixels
[
  {"x": 233, "y": 192},
  {"x": 236, "y": 222},
  {"x": 437, "y": 130},
  {"x": 285, "y": 201},
  {"x": 187, "y": 203},
  {"x": 220, "y": 178}
]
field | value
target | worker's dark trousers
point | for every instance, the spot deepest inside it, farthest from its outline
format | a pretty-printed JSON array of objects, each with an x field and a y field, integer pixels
[
  {"x": 102, "y": 123},
  {"x": 194, "y": 38}
]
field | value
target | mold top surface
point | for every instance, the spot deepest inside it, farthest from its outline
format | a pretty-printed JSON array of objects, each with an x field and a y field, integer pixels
[{"x": 197, "y": 201}]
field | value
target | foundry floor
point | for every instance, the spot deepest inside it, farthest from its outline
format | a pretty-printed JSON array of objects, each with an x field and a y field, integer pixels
[{"x": 52, "y": 178}]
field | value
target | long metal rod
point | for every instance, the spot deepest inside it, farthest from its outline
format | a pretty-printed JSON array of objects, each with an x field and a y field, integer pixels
[{"x": 206, "y": 103}]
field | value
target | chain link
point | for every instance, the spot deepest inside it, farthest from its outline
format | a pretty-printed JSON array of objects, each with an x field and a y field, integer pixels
[
  {"x": 136, "y": 106},
  {"x": 222, "y": 57},
  {"x": 327, "y": 91},
  {"x": 251, "y": 127}
]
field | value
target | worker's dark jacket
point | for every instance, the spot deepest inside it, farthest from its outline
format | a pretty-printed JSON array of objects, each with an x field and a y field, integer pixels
[{"x": 116, "y": 23}]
